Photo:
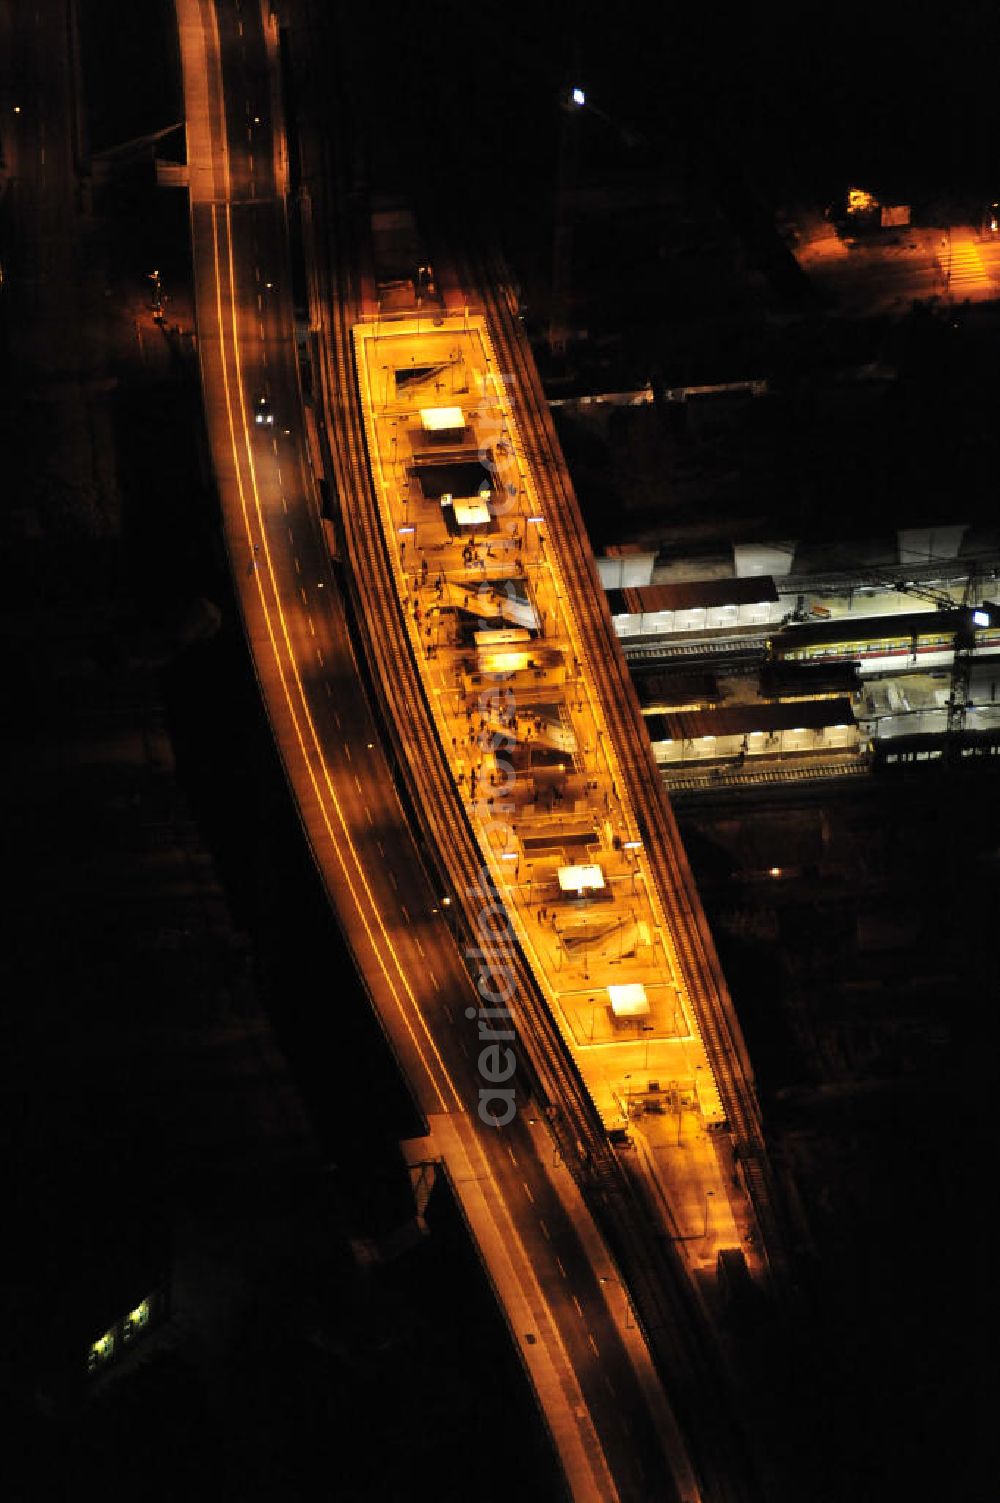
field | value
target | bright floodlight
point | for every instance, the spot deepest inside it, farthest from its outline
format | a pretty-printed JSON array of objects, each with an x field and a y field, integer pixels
[
  {"x": 980, "y": 618},
  {"x": 472, "y": 511},
  {"x": 580, "y": 878},
  {"x": 629, "y": 1001},
  {"x": 578, "y": 97},
  {"x": 441, "y": 419}
]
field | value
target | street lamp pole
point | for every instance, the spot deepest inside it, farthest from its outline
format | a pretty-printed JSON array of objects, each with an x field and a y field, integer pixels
[{"x": 607, "y": 1278}]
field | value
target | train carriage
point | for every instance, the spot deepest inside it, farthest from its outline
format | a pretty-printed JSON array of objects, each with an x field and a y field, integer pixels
[{"x": 878, "y": 642}]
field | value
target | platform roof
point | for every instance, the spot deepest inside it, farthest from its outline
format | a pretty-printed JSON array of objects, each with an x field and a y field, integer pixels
[
  {"x": 857, "y": 630},
  {"x": 580, "y": 878},
  {"x": 745, "y": 719},
  {"x": 458, "y": 477},
  {"x": 629, "y": 1000},
  {"x": 471, "y": 511},
  {"x": 676, "y": 688},
  {"x": 812, "y": 676},
  {"x": 693, "y": 594},
  {"x": 441, "y": 419}
]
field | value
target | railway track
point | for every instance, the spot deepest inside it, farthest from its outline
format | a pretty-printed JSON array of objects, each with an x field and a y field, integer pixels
[
  {"x": 675, "y": 884},
  {"x": 682, "y": 1343},
  {"x": 739, "y": 652},
  {"x": 398, "y": 686},
  {"x": 705, "y": 783},
  {"x": 721, "y": 1453}
]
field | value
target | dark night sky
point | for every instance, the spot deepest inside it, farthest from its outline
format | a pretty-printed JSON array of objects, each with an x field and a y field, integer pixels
[{"x": 807, "y": 96}]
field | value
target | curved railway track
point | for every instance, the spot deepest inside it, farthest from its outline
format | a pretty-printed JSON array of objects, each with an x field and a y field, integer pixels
[
  {"x": 679, "y": 1336},
  {"x": 658, "y": 1284},
  {"x": 585, "y": 600},
  {"x": 675, "y": 882},
  {"x": 397, "y": 681}
]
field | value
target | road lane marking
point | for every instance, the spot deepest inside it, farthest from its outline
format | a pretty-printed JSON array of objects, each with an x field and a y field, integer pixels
[
  {"x": 590, "y": 1338},
  {"x": 357, "y": 782},
  {"x": 406, "y": 912},
  {"x": 347, "y": 749},
  {"x": 512, "y": 1158},
  {"x": 434, "y": 981},
  {"x": 298, "y": 566},
  {"x": 392, "y": 879},
  {"x": 305, "y": 728},
  {"x": 303, "y": 594},
  {"x": 380, "y": 850},
  {"x": 448, "y": 1013},
  {"x": 284, "y": 505},
  {"x": 545, "y": 1231},
  {"x": 609, "y": 1386},
  {"x": 319, "y": 654},
  {"x": 312, "y": 628},
  {"x": 527, "y": 1191},
  {"x": 368, "y": 814}
]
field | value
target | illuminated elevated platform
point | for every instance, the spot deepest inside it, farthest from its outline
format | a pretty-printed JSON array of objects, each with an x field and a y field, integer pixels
[{"x": 507, "y": 675}]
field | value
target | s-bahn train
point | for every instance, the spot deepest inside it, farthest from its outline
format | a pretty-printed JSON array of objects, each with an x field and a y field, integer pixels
[
  {"x": 879, "y": 642},
  {"x": 900, "y": 754}
]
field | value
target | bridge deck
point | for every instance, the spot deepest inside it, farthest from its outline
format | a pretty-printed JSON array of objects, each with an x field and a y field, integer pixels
[{"x": 521, "y": 721}]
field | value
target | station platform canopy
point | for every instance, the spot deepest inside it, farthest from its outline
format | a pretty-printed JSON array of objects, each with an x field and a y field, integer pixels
[
  {"x": 629, "y": 1001},
  {"x": 675, "y": 691},
  {"x": 441, "y": 419},
  {"x": 692, "y": 595},
  {"x": 746, "y": 719},
  {"x": 458, "y": 475},
  {"x": 504, "y": 651},
  {"x": 580, "y": 879},
  {"x": 471, "y": 511},
  {"x": 504, "y": 636},
  {"x": 797, "y": 679}
]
